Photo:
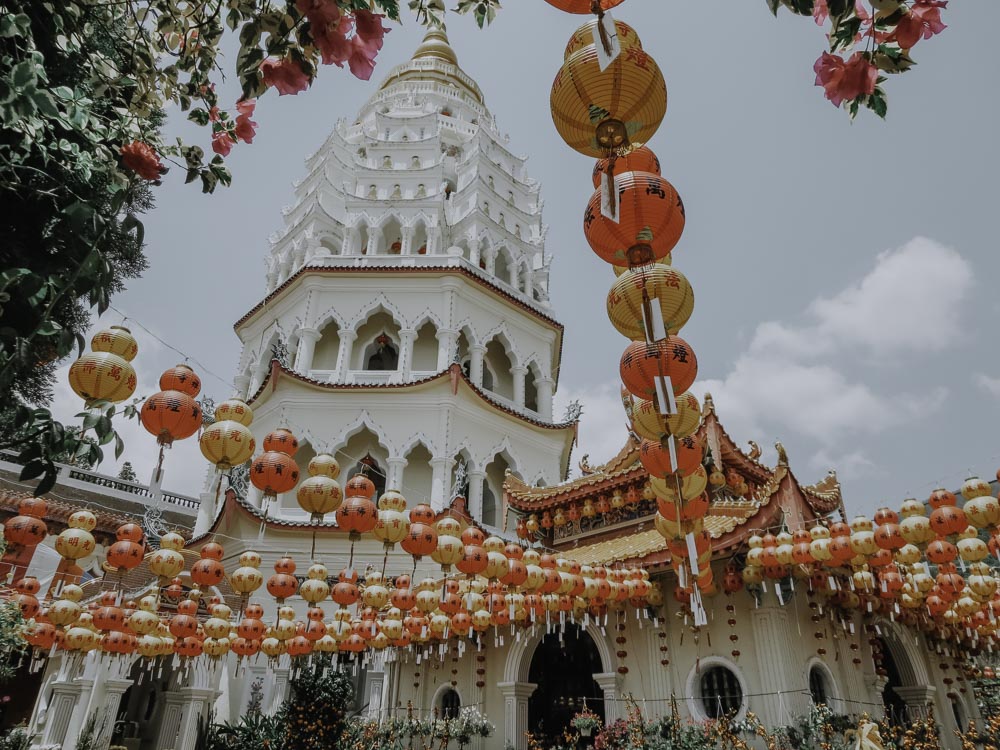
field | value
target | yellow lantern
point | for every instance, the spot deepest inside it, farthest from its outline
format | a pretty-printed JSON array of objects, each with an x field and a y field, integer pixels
[
  {"x": 449, "y": 548},
  {"x": 663, "y": 289},
  {"x": 599, "y": 112},
  {"x": 975, "y": 487},
  {"x": 982, "y": 511},
  {"x": 393, "y": 523},
  {"x": 236, "y": 410},
  {"x": 320, "y": 493},
  {"x": 102, "y": 376},
  {"x": 692, "y": 486},
  {"x": 584, "y": 37},
  {"x": 227, "y": 444},
  {"x": 650, "y": 424},
  {"x": 116, "y": 340},
  {"x": 315, "y": 588},
  {"x": 247, "y": 578}
]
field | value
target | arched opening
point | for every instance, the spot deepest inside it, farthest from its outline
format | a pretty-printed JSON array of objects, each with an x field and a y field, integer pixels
[
  {"x": 895, "y": 707},
  {"x": 327, "y": 349},
  {"x": 425, "y": 349},
  {"x": 563, "y": 667},
  {"x": 364, "y": 236},
  {"x": 461, "y": 457},
  {"x": 333, "y": 244},
  {"x": 504, "y": 268},
  {"x": 498, "y": 363},
  {"x": 392, "y": 237},
  {"x": 819, "y": 686},
  {"x": 374, "y": 470},
  {"x": 531, "y": 378},
  {"x": 463, "y": 357},
  {"x": 496, "y": 472},
  {"x": 418, "y": 242},
  {"x": 378, "y": 343},
  {"x": 958, "y": 711},
  {"x": 418, "y": 476},
  {"x": 449, "y": 703}
]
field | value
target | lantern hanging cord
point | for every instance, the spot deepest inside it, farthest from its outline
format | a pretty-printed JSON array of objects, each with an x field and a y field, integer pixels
[{"x": 201, "y": 367}]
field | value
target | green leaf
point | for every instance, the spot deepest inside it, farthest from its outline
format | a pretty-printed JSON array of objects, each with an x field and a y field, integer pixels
[
  {"x": 48, "y": 481},
  {"x": 14, "y": 24}
]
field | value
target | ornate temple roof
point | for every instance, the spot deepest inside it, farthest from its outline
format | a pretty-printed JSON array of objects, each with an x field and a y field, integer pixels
[{"x": 773, "y": 497}]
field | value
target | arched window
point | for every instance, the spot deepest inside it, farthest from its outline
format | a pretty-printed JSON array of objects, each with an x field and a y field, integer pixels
[
  {"x": 371, "y": 469},
  {"x": 959, "y": 714},
  {"x": 382, "y": 354},
  {"x": 450, "y": 703},
  {"x": 818, "y": 688},
  {"x": 720, "y": 692}
]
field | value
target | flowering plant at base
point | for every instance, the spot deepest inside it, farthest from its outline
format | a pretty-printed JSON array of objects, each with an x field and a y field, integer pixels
[{"x": 586, "y": 721}]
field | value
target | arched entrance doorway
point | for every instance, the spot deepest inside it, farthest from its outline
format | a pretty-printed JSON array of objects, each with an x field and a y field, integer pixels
[
  {"x": 895, "y": 707},
  {"x": 563, "y": 668}
]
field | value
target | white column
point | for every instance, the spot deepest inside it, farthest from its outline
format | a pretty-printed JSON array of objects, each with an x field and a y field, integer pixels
[
  {"x": 518, "y": 373},
  {"x": 407, "y": 248},
  {"x": 475, "y": 252},
  {"x": 433, "y": 240},
  {"x": 170, "y": 723},
  {"x": 917, "y": 699},
  {"x": 778, "y": 675},
  {"x": 113, "y": 692},
  {"x": 447, "y": 340},
  {"x": 352, "y": 242},
  {"x": 515, "y": 711},
  {"x": 376, "y": 241},
  {"x": 272, "y": 280},
  {"x": 68, "y": 702},
  {"x": 476, "y": 479},
  {"x": 610, "y": 685},
  {"x": 344, "y": 355},
  {"x": 394, "y": 479},
  {"x": 476, "y": 354},
  {"x": 406, "y": 337},
  {"x": 284, "y": 268},
  {"x": 440, "y": 481},
  {"x": 545, "y": 387},
  {"x": 307, "y": 346}
]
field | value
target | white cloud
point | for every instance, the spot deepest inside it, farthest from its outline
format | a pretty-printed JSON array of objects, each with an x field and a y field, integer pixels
[
  {"x": 799, "y": 376},
  {"x": 988, "y": 384},
  {"x": 603, "y": 429}
]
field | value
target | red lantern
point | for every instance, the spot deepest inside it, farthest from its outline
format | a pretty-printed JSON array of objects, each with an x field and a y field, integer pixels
[
  {"x": 208, "y": 571},
  {"x": 345, "y": 591},
  {"x": 655, "y": 457},
  {"x": 947, "y": 519},
  {"x": 888, "y": 536},
  {"x": 182, "y": 379},
  {"x": 361, "y": 486},
  {"x": 643, "y": 363},
  {"x": 170, "y": 416},
  {"x": 357, "y": 515},
  {"x": 583, "y": 6},
  {"x": 641, "y": 159},
  {"x": 281, "y": 440},
  {"x": 940, "y": 498},
  {"x": 650, "y": 221},
  {"x": 283, "y": 583},
  {"x": 274, "y": 473}
]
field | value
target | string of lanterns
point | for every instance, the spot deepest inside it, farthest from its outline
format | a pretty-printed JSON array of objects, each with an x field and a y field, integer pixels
[{"x": 608, "y": 99}]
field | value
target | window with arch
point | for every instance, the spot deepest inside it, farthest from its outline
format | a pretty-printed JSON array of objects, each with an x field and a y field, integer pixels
[
  {"x": 371, "y": 468},
  {"x": 819, "y": 686},
  {"x": 720, "y": 692},
  {"x": 382, "y": 354},
  {"x": 959, "y": 713},
  {"x": 449, "y": 704}
]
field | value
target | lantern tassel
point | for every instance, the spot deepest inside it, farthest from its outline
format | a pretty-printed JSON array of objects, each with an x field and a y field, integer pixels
[{"x": 596, "y": 9}]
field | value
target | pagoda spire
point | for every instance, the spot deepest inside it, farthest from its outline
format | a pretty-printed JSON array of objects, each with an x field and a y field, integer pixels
[{"x": 437, "y": 46}]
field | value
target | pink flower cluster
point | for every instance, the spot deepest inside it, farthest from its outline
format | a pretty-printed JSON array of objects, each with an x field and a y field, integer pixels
[
  {"x": 244, "y": 129},
  {"x": 354, "y": 39},
  {"x": 846, "y": 80},
  {"x": 142, "y": 159}
]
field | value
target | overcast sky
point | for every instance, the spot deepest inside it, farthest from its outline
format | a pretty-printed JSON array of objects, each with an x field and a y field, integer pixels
[{"x": 846, "y": 275}]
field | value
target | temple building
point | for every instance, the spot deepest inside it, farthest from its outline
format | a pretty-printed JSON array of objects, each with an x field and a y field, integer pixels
[{"x": 405, "y": 328}]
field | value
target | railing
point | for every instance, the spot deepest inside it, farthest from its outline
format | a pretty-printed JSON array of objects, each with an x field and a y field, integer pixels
[{"x": 83, "y": 479}]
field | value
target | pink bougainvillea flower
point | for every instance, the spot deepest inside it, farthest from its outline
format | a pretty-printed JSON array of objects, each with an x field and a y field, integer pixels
[
  {"x": 369, "y": 27},
  {"x": 362, "y": 59},
  {"x": 222, "y": 142},
  {"x": 285, "y": 75},
  {"x": 142, "y": 159},
  {"x": 821, "y": 12},
  {"x": 213, "y": 114},
  {"x": 844, "y": 81},
  {"x": 246, "y": 128},
  {"x": 329, "y": 29},
  {"x": 921, "y": 22}
]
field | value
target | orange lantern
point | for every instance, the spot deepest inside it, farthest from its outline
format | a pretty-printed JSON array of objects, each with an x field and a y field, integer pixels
[
  {"x": 650, "y": 221},
  {"x": 182, "y": 379},
  {"x": 283, "y": 583},
  {"x": 584, "y": 6},
  {"x": 170, "y": 416},
  {"x": 638, "y": 159},
  {"x": 655, "y": 457},
  {"x": 127, "y": 552},
  {"x": 947, "y": 519},
  {"x": 643, "y": 363},
  {"x": 274, "y": 471},
  {"x": 27, "y": 529},
  {"x": 358, "y": 514},
  {"x": 209, "y": 571}
]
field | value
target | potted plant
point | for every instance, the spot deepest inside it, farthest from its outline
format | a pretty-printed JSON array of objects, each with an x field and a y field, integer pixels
[{"x": 586, "y": 722}]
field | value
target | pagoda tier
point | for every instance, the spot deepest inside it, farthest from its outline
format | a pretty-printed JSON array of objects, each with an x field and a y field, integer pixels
[{"x": 754, "y": 497}]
